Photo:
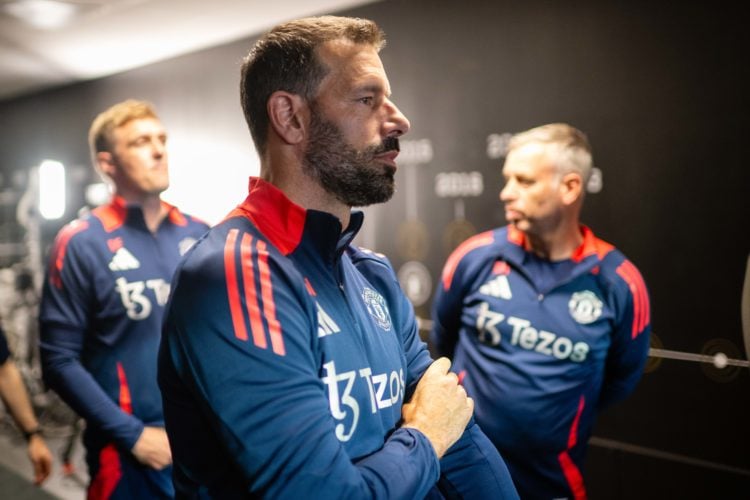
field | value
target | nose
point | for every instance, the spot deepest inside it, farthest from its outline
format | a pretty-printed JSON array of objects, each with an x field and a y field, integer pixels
[
  {"x": 396, "y": 124},
  {"x": 158, "y": 147},
  {"x": 507, "y": 193}
]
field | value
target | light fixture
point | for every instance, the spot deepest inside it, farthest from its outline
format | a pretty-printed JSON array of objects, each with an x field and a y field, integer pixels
[
  {"x": 42, "y": 14},
  {"x": 98, "y": 194},
  {"x": 51, "y": 189}
]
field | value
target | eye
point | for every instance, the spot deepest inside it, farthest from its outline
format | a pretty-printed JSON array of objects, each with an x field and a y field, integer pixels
[{"x": 367, "y": 101}]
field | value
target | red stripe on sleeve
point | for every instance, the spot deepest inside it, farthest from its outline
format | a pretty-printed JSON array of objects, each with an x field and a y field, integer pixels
[
  {"x": 573, "y": 436},
  {"x": 641, "y": 306},
  {"x": 126, "y": 402},
  {"x": 638, "y": 283},
  {"x": 467, "y": 246},
  {"x": 251, "y": 295},
  {"x": 627, "y": 274},
  {"x": 571, "y": 472},
  {"x": 230, "y": 271},
  {"x": 57, "y": 258},
  {"x": 572, "y": 476},
  {"x": 310, "y": 288},
  {"x": 269, "y": 307},
  {"x": 108, "y": 476}
]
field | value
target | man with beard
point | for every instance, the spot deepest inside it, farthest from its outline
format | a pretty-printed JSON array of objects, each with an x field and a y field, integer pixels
[{"x": 291, "y": 364}]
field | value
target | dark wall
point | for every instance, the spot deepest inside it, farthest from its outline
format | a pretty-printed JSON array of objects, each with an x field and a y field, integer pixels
[{"x": 661, "y": 90}]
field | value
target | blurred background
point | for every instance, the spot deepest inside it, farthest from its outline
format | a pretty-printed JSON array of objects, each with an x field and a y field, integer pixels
[{"x": 661, "y": 89}]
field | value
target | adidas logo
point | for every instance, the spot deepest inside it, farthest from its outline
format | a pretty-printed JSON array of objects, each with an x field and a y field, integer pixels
[
  {"x": 326, "y": 325},
  {"x": 497, "y": 287},
  {"x": 123, "y": 261}
]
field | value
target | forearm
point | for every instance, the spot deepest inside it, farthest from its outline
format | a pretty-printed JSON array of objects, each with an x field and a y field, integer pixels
[
  {"x": 473, "y": 468},
  {"x": 82, "y": 393},
  {"x": 15, "y": 397}
]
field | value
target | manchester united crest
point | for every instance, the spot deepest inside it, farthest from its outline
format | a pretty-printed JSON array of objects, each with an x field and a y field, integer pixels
[
  {"x": 377, "y": 308},
  {"x": 585, "y": 307}
]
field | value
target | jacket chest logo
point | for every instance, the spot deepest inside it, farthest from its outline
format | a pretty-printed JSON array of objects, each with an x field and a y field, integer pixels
[
  {"x": 123, "y": 260},
  {"x": 585, "y": 307},
  {"x": 377, "y": 308},
  {"x": 326, "y": 325},
  {"x": 497, "y": 287},
  {"x": 185, "y": 244}
]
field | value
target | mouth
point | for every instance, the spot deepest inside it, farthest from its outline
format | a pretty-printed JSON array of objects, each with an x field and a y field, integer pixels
[
  {"x": 389, "y": 157},
  {"x": 388, "y": 151},
  {"x": 512, "y": 215}
]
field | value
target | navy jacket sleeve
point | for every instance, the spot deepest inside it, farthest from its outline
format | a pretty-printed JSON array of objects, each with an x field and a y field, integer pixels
[
  {"x": 63, "y": 324},
  {"x": 251, "y": 364},
  {"x": 447, "y": 304},
  {"x": 628, "y": 351},
  {"x": 472, "y": 467}
]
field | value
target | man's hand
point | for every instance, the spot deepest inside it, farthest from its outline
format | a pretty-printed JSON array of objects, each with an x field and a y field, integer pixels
[
  {"x": 439, "y": 407},
  {"x": 152, "y": 448},
  {"x": 40, "y": 457}
]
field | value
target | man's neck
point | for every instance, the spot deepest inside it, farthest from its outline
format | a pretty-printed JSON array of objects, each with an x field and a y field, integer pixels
[
  {"x": 307, "y": 193},
  {"x": 556, "y": 245},
  {"x": 153, "y": 209}
]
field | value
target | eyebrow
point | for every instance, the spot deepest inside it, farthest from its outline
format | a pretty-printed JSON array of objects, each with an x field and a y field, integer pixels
[{"x": 374, "y": 88}]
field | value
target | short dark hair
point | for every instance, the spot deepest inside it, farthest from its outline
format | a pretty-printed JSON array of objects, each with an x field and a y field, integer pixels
[{"x": 285, "y": 59}]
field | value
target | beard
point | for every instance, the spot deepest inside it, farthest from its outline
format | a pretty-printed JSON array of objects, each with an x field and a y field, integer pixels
[{"x": 353, "y": 176}]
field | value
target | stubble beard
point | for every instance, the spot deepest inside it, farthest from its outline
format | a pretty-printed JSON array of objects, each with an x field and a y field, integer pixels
[{"x": 354, "y": 177}]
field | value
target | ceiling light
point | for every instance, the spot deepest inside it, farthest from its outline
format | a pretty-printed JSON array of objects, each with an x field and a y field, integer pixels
[{"x": 42, "y": 14}]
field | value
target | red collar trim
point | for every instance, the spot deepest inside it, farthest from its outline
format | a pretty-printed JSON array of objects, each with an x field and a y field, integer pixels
[
  {"x": 113, "y": 214},
  {"x": 591, "y": 244},
  {"x": 276, "y": 216},
  {"x": 174, "y": 215}
]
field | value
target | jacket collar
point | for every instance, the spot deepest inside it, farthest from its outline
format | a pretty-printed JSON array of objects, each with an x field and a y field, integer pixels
[{"x": 287, "y": 225}]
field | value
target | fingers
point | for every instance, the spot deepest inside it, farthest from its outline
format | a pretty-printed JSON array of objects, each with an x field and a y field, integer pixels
[
  {"x": 439, "y": 371},
  {"x": 42, "y": 469},
  {"x": 41, "y": 459},
  {"x": 439, "y": 367}
]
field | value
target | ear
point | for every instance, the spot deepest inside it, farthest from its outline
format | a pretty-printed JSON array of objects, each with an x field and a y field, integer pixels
[
  {"x": 288, "y": 116},
  {"x": 105, "y": 163},
  {"x": 571, "y": 187}
]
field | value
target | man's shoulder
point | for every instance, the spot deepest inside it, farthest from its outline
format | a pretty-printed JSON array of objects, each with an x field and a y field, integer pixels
[
  {"x": 80, "y": 233},
  {"x": 195, "y": 222},
  {"x": 365, "y": 256},
  {"x": 616, "y": 269},
  {"x": 491, "y": 241},
  {"x": 473, "y": 253},
  {"x": 228, "y": 246}
]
